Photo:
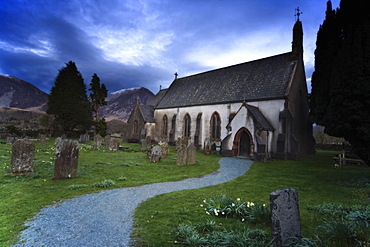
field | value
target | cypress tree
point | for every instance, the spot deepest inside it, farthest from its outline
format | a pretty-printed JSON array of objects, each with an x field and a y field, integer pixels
[
  {"x": 98, "y": 95},
  {"x": 347, "y": 108},
  {"x": 68, "y": 101}
]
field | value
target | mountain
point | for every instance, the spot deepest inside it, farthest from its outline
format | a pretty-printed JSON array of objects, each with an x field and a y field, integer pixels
[
  {"x": 17, "y": 93},
  {"x": 121, "y": 103}
]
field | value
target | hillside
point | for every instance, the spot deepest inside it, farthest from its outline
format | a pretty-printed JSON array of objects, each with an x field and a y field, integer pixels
[
  {"x": 17, "y": 93},
  {"x": 121, "y": 103}
]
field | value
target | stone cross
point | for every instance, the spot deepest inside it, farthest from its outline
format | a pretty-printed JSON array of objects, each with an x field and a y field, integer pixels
[
  {"x": 66, "y": 159},
  {"x": 23, "y": 153},
  {"x": 284, "y": 216}
]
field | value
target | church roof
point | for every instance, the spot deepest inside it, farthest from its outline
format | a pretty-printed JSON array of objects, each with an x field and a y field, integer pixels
[
  {"x": 157, "y": 98},
  {"x": 147, "y": 113},
  {"x": 260, "y": 118},
  {"x": 262, "y": 79}
]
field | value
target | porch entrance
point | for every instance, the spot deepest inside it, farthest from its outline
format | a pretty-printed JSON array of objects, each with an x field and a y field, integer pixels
[{"x": 243, "y": 144}]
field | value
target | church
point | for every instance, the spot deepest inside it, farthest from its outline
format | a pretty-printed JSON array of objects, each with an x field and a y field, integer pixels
[{"x": 258, "y": 109}]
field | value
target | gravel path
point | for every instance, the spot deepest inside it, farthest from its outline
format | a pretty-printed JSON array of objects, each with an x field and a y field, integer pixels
[{"x": 106, "y": 218}]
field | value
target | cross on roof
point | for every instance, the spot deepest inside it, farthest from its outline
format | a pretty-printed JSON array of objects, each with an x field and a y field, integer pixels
[{"x": 297, "y": 13}]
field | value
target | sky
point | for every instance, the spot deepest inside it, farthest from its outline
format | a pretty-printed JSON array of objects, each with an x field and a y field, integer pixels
[{"x": 142, "y": 43}]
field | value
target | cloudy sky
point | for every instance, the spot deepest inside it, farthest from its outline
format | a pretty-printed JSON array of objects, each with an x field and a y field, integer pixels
[{"x": 134, "y": 43}]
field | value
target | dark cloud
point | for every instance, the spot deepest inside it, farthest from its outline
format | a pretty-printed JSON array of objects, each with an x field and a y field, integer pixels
[{"x": 143, "y": 43}]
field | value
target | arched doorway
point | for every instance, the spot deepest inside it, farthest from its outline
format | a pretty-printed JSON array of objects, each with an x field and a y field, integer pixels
[{"x": 243, "y": 143}]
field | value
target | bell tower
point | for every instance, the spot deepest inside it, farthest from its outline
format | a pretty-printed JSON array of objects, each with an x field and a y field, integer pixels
[{"x": 297, "y": 44}]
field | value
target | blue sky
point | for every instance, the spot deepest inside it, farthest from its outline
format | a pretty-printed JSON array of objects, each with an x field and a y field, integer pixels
[{"x": 142, "y": 43}]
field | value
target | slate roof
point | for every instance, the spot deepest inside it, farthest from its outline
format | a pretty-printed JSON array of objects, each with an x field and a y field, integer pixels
[
  {"x": 157, "y": 98},
  {"x": 262, "y": 79},
  {"x": 147, "y": 112},
  {"x": 260, "y": 118}
]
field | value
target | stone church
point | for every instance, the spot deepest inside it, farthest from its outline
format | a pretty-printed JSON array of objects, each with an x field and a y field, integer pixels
[{"x": 257, "y": 109}]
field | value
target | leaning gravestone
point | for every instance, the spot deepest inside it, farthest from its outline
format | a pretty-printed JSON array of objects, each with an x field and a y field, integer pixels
[
  {"x": 181, "y": 155},
  {"x": 191, "y": 154},
  {"x": 114, "y": 143},
  {"x": 98, "y": 140},
  {"x": 164, "y": 146},
  {"x": 23, "y": 152},
  {"x": 156, "y": 154},
  {"x": 66, "y": 159},
  {"x": 284, "y": 216}
]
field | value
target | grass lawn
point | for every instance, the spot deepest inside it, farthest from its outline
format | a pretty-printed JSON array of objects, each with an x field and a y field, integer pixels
[
  {"x": 23, "y": 196},
  {"x": 315, "y": 178}
]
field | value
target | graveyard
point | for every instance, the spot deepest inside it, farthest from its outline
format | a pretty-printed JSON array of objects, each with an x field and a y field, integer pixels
[{"x": 320, "y": 186}]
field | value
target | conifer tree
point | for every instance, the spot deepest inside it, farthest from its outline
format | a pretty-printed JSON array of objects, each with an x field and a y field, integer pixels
[
  {"x": 68, "y": 101},
  {"x": 346, "y": 111},
  {"x": 98, "y": 95}
]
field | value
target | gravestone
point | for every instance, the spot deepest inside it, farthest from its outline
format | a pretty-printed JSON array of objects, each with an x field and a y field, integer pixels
[
  {"x": 64, "y": 137},
  {"x": 165, "y": 149},
  {"x": 11, "y": 140},
  {"x": 98, "y": 140},
  {"x": 107, "y": 140},
  {"x": 42, "y": 139},
  {"x": 191, "y": 154},
  {"x": 207, "y": 146},
  {"x": 178, "y": 143},
  {"x": 23, "y": 153},
  {"x": 181, "y": 155},
  {"x": 84, "y": 138},
  {"x": 114, "y": 143},
  {"x": 148, "y": 141},
  {"x": 156, "y": 154},
  {"x": 284, "y": 216},
  {"x": 66, "y": 159},
  {"x": 144, "y": 145}
]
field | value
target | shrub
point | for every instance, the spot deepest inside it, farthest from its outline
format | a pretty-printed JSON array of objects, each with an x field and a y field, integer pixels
[{"x": 104, "y": 184}]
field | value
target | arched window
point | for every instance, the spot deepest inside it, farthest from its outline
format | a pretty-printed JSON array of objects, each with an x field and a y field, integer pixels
[
  {"x": 187, "y": 123},
  {"x": 165, "y": 126},
  {"x": 215, "y": 126},
  {"x": 135, "y": 128}
]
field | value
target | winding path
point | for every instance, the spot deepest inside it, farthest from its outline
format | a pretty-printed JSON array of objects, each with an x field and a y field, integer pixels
[{"x": 106, "y": 218}]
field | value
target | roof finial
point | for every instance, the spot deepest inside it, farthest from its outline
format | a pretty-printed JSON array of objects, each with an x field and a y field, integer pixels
[
  {"x": 176, "y": 75},
  {"x": 297, "y": 14},
  {"x": 160, "y": 87}
]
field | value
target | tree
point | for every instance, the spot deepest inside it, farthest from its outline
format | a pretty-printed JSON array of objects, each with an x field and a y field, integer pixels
[
  {"x": 98, "y": 95},
  {"x": 346, "y": 85},
  {"x": 68, "y": 102}
]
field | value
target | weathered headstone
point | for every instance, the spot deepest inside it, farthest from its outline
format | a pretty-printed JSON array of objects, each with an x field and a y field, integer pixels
[
  {"x": 284, "y": 216},
  {"x": 98, "y": 140},
  {"x": 66, "y": 159},
  {"x": 23, "y": 152},
  {"x": 207, "y": 146},
  {"x": 42, "y": 139},
  {"x": 148, "y": 140},
  {"x": 144, "y": 145},
  {"x": 84, "y": 138},
  {"x": 181, "y": 155},
  {"x": 107, "y": 140},
  {"x": 114, "y": 143},
  {"x": 179, "y": 142},
  {"x": 191, "y": 154},
  {"x": 11, "y": 140},
  {"x": 156, "y": 154},
  {"x": 165, "y": 149}
]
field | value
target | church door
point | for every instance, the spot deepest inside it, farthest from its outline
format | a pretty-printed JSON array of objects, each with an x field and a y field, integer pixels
[{"x": 244, "y": 144}]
